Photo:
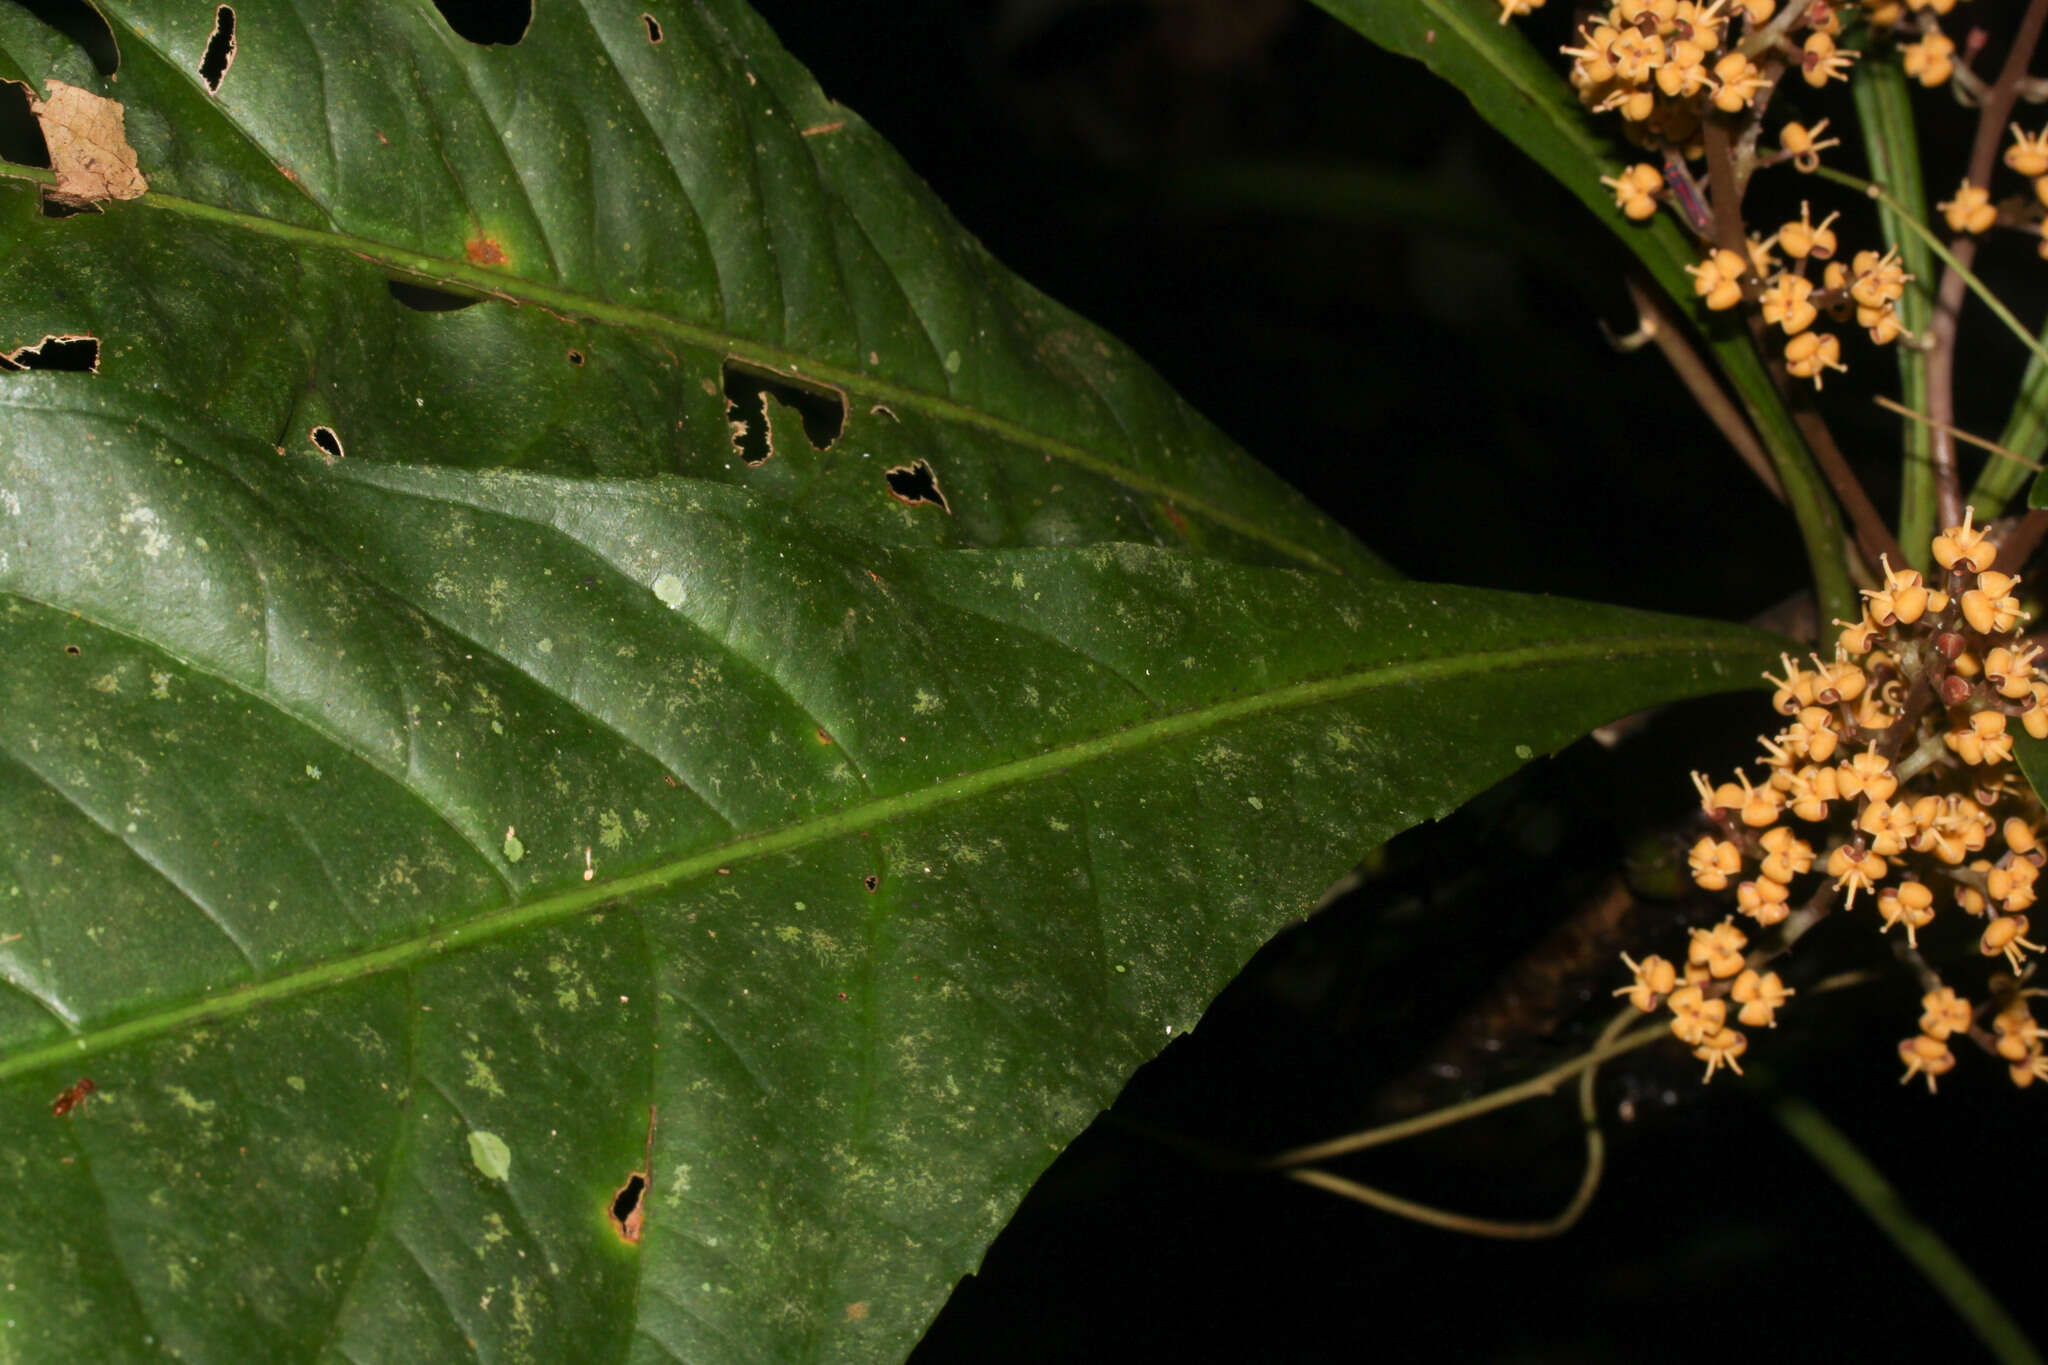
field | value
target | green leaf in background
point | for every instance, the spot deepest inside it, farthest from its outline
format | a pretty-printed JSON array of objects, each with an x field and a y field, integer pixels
[
  {"x": 528, "y": 883},
  {"x": 1525, "y": 96}
]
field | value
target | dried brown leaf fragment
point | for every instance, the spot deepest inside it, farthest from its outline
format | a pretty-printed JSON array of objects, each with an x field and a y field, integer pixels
[{"x": 89, "y": 151}]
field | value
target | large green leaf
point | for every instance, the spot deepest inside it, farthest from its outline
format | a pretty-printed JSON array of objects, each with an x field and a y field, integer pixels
[{"x": 416, "y": 838}]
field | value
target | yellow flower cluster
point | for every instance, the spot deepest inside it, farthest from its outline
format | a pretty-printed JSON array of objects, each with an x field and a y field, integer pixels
[
  {"x": 1669, "y": 66},
  {"x": 1894, "y": 759}
]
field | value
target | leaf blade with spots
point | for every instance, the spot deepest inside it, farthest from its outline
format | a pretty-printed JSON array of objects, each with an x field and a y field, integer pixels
[{"x": 424, "y": 831}]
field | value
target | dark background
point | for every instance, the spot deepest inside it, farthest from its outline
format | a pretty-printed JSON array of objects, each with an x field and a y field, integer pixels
[{"x": 1333, "y": 258}]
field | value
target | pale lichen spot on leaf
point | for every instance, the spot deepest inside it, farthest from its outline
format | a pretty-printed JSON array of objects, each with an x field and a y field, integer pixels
[
  {"x": 480, "y": 1075},
  {"x": 611, "y": 830},
  {"x": 927, "y": 703},
  {"x": 149, "y": 525},
  {"x": 190, "y": 1102},
  {"x": 668, "y": 588},
  {"x": 493, "y": 1157},
  {"x": 570, "y": 986}
]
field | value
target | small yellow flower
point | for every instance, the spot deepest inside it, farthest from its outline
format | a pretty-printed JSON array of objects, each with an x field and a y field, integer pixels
[
  {"x": 1803, "y": 239},
  {"x": 1970, "y": 211},
  {"x": 1785, "y": 303},
  {"x": 1902, "y": 600},
  {"x": 1636, "y": 190},
  {"x": 1693, "y": 1016},
  {"x": 1740, "y": 80},
  {"x": 1720, "y": 1048},
  {"x": 1785, "y": 855},
  {"x": 1717, "y": 279},
  {"x": 2008, "y": 934},
  {"x": 2028, "y": 155},
  {"x": 1879, "y": 280},
  {"x": 1761, "y": 997},
  {"x": 1820, "y": 61},
  {"x": 1931, "y": 61},
  {"x": 1945, "y": 1013},
  {"x": 1910, "y": 904},
  {"x": 2012, "y": 886},
  {"x": 1927, "y": 1057},
  {"x": 1964, "y": 547},
  {"x": 1804, "y": 145},
  {"x": 1654, "y": 979},
  {"x": 1855, "y": 868},
  {"x": 1713, "y": 862},
  {"x": 1990, "y": 608},
  {"x": 1810, "y": 355}
]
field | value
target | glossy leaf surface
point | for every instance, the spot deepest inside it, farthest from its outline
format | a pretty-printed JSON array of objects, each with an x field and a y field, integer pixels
[{"x": 525, "y": 882}]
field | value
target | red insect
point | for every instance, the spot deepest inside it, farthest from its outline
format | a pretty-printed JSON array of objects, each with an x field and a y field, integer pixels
[{"x": 73, "y": 1097}]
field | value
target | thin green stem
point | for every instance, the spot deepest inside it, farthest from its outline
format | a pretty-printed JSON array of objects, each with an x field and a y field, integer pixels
[
  {"x": 1892, "y": 145},
  {"x": 1934, "y": 244},
  {"x": 1979, "y": 1309},
  {"x": 1588, "y": 1066},
  {"x": 1544, "y": 1084}
]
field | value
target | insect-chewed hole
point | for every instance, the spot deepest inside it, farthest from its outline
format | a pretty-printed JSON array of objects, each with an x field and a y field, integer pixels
[
  {"x": 327, "y": 440},
  {"x": 78, "y": 354},
  {"x": 21, "y": 137},
  {"x": 915, "y": 484},
  {"x": 821, "y": 406},
  {"x": 487, "y": 22},
  {"x": 220, "y": 50},
  {"x": 82, "y": 24},
  {"x": 871, "y": 882},
  {"x": 653, "y": 28},
  {"x": 73, "y": 650},
  {"x": 425, "y": 299},
  {"x": 626, "y": 1206},
  {"x": 576, "y": 357}
]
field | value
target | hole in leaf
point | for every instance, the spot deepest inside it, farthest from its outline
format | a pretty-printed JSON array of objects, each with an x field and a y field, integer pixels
[
  {"x": 916, "y": 484},
  {"x": 73, "y": 650},
  {"x": 884, "y": 410},
  {"x": 329, "y": 443},
  {"x": 424, "y": 299},
  {"x": 82, "y": 24},
  {"x": 575, "y": 357},
  {"x": 220, "y": 50},
  {"x": 653, "y": 28},
  {"x": 487, "y": 22},
  {"x": 871, "y": 882},
  {"x": 822, "y": 408},
  {"x": 21, "y": 137},
  {"x": 626, "y": 1207},
  {"x": 54, "y": 209},
  {"x": 78, "y": 354}
]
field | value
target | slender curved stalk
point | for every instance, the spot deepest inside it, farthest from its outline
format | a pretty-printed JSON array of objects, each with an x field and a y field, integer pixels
[
  {"x": 1934, "y": 244},
  {"x": 1588, "y": 1067},
  {"x": 1832, "y": 1150}
]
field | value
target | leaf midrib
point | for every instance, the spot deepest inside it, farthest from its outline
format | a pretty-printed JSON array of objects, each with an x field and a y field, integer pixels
[
  {"x": 440, "y": 271},
  {"x": 562, "y": 905}
]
